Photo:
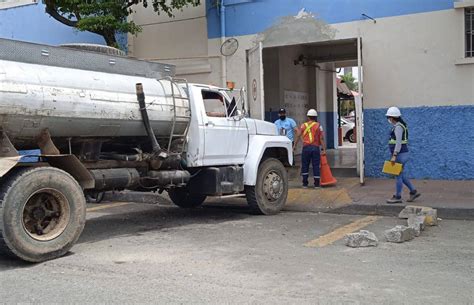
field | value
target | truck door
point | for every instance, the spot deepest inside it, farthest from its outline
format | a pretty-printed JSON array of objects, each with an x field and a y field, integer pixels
[{"x": 225, "y": 135}]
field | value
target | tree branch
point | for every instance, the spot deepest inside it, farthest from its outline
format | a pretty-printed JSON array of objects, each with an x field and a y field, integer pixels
[{"x": 54, "y": 13}]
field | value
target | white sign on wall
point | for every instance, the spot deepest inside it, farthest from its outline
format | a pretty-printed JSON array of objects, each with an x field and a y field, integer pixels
[{"x": 296, "y": 105}]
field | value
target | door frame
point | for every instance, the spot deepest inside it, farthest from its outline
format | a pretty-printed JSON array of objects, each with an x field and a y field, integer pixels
[
  {"x": 359, "y": 104},
  {"x": 255, "y": 91}
]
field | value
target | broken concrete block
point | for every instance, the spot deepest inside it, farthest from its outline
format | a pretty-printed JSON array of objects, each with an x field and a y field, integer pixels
[
  {"x": 410, "y": 210},
  {"x": 431, "y": 215},
  {"x": 417, "y": 223},
  {"x": 399, "y": 234},
  {"x": 362, "y": 238}
]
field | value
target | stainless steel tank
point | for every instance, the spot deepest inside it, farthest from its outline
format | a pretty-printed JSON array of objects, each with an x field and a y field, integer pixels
[{"x": 81, "y": 103}]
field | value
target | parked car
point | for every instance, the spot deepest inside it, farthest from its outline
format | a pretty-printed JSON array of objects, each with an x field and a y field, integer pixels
[
  {"x": 348, "y": 130},
  {"x": 351, "y": 116}
]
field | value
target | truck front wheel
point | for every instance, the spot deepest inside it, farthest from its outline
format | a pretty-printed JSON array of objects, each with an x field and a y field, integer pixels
[
  {"x": 182, "y": 198},
  {"x": 42, "y": 213},
  {"x": 269, "y": 194}
]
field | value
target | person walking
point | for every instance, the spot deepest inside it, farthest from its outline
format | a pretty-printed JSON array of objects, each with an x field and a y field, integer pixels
[
  {"x": 286, "y": 126},
  {"x": 311, "y": 133},
  {"x": 398, "y": 145}
]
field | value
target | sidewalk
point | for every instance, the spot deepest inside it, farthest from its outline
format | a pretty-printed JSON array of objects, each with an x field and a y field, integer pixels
[{"x": 453, "y": 199}]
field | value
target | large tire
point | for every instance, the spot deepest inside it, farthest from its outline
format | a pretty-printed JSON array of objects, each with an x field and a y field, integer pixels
[
  {"x": 182, "y": 198},
  {"x": 269, "y": 194},
  {"x": 42, "y": 213}
]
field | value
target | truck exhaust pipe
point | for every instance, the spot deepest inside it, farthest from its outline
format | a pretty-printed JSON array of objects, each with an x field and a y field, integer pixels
[{"x": 115, "y": 178}]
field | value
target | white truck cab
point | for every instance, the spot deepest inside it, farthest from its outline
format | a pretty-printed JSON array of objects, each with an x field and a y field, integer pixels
[{"x": 237, "y": 153}]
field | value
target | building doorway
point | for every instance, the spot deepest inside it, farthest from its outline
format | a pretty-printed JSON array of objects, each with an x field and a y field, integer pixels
[{"x": 303, "y": 76}]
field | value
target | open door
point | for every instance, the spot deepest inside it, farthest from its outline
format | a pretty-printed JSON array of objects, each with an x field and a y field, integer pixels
[
  {"x": 255, "y": 82},
  {"x": 360, "y": 116}
]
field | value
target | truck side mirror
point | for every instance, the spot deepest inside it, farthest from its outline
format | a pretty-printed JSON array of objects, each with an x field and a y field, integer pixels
[{"x": 232, "y": 108}]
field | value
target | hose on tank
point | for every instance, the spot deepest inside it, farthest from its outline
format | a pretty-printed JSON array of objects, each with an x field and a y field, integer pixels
[{"x": 146, "y": 121}]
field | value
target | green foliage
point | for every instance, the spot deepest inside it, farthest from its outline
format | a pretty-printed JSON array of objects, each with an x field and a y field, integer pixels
[
  {"x": 108, "y": 17},
  {"x": 350, "y": 81}
]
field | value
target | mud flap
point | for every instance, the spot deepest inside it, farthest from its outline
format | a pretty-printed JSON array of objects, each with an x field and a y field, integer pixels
[{"x": 7, "y": 163}]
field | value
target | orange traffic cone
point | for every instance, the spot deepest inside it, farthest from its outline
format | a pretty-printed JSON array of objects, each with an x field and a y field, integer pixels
[{"x": 326, "y": 175}]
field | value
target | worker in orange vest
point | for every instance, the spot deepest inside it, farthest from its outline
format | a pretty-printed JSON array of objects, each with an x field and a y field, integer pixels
[{"x": 311, "y": 133}]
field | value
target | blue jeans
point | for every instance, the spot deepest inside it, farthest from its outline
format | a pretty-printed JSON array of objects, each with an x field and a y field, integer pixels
[
  {"x": 402, "y": 178},
  {"x": 309, "y": 155}
]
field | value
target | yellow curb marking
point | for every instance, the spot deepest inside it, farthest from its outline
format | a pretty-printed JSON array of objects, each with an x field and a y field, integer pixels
[
  {"x": 106, "y": 206},
  {"x": 340, "y": 232},
  {"x": 332, "y": 198}
]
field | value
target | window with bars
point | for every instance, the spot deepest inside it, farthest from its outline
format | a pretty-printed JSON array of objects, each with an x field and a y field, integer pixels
[{"x": 469, "y": 27}]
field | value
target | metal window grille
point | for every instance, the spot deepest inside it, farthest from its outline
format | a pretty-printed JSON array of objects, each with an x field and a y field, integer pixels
[{"x": 469, "y": 26}]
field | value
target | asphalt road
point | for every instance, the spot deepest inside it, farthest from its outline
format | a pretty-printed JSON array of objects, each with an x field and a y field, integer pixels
[{"x": 138, "y": 253}]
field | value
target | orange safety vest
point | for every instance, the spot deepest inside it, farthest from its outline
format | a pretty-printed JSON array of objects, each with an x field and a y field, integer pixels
[{"x": 311, "y": 133}]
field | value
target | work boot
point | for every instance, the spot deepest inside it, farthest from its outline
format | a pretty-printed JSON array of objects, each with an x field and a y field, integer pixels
[
  {"x": 316, "y": 183},
  {"x": 395, "y": 199},
  {"x": 413, "y": 196}
]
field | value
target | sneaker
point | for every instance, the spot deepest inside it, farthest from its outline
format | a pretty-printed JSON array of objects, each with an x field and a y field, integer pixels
[
  {"x": 395, "y": 199},
  {"x": 413, "y": 196},
  {"x": 304, "y": 186}
]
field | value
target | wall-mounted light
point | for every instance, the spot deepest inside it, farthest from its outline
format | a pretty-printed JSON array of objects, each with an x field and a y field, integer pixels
[{"x": 306, "y": 61}]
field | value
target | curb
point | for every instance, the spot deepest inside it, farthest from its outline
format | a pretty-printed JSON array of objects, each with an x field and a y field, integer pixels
[
  {"x": 349, "y": 209},
  {"x": 394, "y": 210}
]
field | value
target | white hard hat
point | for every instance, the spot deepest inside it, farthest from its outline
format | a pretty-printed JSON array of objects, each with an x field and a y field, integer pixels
[
  {"x": 393, "y": 112},
  {"x": 312, "y": 112}
]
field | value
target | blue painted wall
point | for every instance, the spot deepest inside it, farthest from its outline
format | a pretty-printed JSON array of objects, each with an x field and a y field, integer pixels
[
  {"x": 31, "y": 23},
  {"x": 244, "y": 17},
  {"x": 441, "y": 142}
]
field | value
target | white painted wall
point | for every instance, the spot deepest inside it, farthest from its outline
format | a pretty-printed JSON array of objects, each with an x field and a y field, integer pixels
[
  {"x": 180, "y": 40},
  {"x": 409, "y": 60}
]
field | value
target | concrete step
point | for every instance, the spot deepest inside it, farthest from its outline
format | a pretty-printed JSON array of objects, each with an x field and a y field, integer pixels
[
  {"x": 344, "y": 172},
  {"x": 295, "y": 172}
]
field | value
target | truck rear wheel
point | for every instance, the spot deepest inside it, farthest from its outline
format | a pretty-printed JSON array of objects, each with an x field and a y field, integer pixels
[
  {"x": 182, "y": 198},
  {"x": 269, "y": 194},
  {"x": 42, "y": 213}
]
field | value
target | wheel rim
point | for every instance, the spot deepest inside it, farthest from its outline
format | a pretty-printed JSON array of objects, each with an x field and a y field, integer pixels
[
  {"x": 46, "y": 214},
  {"x": 273, "y": 186}
]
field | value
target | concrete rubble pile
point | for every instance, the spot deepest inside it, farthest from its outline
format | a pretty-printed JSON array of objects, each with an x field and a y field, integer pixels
[{"x": 418, "y": 218}]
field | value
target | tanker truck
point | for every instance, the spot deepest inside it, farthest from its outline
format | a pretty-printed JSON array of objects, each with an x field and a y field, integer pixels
[{"x": 103, "y": 122}]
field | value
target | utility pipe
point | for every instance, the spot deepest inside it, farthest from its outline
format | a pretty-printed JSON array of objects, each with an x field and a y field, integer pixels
[{"x": 223, "y": 35}]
